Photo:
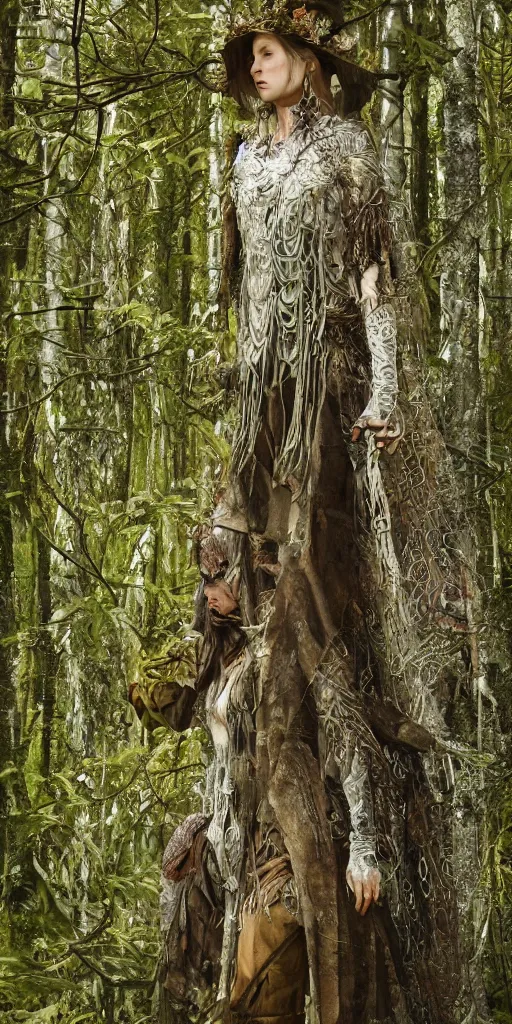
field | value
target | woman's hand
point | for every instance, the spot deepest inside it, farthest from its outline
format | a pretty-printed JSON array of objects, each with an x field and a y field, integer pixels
[
  {"x": 365, "y": 884},
  {"x": 369, "y": 290},
  {"x": 385, "y": 435}
]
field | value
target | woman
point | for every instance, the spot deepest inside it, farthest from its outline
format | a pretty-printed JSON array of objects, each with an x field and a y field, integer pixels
[
  {"x": 311, "y": 212},
  {"x": 317, "y": 361},
  {"x": 312, "y": 779},
  {"x": 313, "y": 304}
]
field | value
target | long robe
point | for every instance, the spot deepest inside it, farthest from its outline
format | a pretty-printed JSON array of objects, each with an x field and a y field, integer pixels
[{"x": 326, "y": 767}]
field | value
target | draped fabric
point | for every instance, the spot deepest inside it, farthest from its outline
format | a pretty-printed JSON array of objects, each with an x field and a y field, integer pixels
[
  {"x": 320, "y": 762},
  {"x": 311, "y": 214}
]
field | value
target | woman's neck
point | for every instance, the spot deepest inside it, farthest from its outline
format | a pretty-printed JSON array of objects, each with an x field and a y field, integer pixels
[{"x": 285, "y": 120}]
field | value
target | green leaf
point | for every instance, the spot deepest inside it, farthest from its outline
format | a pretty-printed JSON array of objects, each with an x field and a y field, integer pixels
[
  {"x": 31, "y": 89},
  {"x": 434, "y": 55},
  {"x": 173, "y": 158},
  {"x": 67, "y": 610},
  {"x": 47, "y": 887}
]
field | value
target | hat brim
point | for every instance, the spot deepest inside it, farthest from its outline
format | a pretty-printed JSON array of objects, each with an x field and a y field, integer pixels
[{"x": 352, "y": 77}]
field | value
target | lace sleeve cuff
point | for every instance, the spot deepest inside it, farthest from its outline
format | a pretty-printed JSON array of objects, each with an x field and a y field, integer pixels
[
  {"x": 356, "y": 787},
  {"x": 381, "y": 335}
]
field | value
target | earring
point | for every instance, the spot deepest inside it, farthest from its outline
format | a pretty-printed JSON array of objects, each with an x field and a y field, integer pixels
[
  {"x": 263, "y": 114},
  {"x": 310, "y": 102}
]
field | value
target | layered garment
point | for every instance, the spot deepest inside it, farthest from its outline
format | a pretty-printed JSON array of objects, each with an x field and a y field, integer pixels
[
  {"x": 313, "y": 767},
  {"x": 311, "y": 212}
]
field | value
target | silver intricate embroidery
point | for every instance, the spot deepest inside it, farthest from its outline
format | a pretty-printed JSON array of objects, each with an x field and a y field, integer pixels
[
  {"x": 311, "y": 216},
  {"x": 351, "y": 745},
  {"x": 381, "y": 335},
  {"x": 363, "y": 840}
]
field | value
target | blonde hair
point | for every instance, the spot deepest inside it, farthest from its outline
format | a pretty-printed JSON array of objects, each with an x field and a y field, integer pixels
[{"x": 241, "y": 84}]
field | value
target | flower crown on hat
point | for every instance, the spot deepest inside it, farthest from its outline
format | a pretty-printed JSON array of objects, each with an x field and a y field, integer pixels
[{"x": 316, "y": 21}]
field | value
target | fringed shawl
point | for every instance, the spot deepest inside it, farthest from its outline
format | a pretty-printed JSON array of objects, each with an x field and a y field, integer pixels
[{"x": 311, "y": 213}]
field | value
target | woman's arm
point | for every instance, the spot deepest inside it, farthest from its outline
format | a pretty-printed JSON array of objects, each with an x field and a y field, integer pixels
[
  {"x": 368, "y": 248},
  {"x": 380, "y": 326},
  {"x": 363, "y": 875},
  {"x": 170, "y": 702}
]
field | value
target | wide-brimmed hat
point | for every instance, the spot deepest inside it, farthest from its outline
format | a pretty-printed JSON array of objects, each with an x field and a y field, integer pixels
[{"x": 317, "y": 24}]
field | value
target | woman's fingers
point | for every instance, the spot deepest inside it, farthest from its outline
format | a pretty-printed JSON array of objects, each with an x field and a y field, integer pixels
[
  {"x": 380, "y": 436},
  {"x": 370, "y": 294},
  {"x": 366, "y": 889},
  {"x": 358, "y": 893},
  {"x": 368, "y": 897},
  {"x": 375, "y": 424},
  {"x": 357, "y": 888},
  {"x": 385, "y": 436},
  {"x": 380, "y": 430}
]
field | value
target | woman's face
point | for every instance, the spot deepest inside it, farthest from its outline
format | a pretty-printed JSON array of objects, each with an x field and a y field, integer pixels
[
  {"x": 220, "y": 597},
  {"x": 277, "y": 78}
]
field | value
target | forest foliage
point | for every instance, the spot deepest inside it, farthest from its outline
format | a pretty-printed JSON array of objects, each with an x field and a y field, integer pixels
[{"x": 116, "y": 420}]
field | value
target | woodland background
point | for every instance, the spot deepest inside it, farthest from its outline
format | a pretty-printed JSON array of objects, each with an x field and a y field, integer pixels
[{"x": 115, "y": 425}]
